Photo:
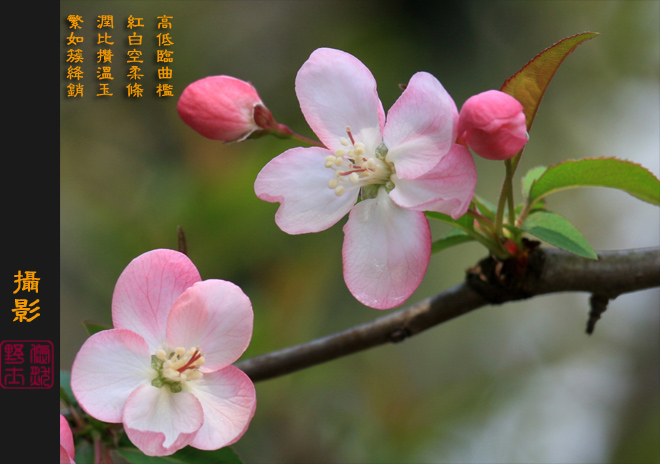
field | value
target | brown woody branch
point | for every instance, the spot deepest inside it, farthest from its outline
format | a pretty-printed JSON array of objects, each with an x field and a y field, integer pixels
[{"x": 550, "y": 271}]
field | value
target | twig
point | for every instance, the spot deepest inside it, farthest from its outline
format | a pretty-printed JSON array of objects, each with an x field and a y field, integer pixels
[
  {"x": 598, "y": 305},
  {"x": 182, "y": 243},
  {"x": 615, "y": 273}
]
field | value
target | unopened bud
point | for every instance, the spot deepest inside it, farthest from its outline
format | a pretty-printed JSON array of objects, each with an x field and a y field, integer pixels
[
  {"x": 220, "y": 108},
  {"x": 492, "y": 124}
]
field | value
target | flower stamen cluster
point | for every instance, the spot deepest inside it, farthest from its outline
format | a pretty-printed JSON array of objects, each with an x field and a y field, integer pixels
[
  {"x": 177, "y": 367},
  {"x": 354, "y": 168}
]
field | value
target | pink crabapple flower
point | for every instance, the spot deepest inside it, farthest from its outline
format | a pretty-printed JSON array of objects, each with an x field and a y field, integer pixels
[
  {"x": 67, "y": 448},
  {"x": 398, "y": 167},
  {"x": 492, "y": 123},
  {"x": 165, "y": 370},
  {"x": 220, "y": 108}
]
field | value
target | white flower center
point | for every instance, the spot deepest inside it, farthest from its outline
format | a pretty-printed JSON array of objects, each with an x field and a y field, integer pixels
[
  {"x": 355, "y": 168},
  {"x": 176, "y": 367}
]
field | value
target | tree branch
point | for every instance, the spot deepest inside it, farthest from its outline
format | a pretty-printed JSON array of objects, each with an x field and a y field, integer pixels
[{"x": 551, "y": 271}]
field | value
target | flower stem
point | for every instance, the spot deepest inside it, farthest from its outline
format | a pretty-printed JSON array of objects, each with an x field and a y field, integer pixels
[
  {"x": 499, "y": 215},
  {"x": 98, "y": 452},
  {"x": 77, "y": 418},
  {"x": 506, "y": 198},
  {"x": 494, "y": 248},
  {"x": 483, "y": 220},
  {"x": 508, "y": 183},
  {"x": 285, "y": 131},
  {"x": 490, "y": 244}
]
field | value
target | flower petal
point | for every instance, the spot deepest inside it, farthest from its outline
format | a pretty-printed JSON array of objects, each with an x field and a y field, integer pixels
[
  {"x": 65, "y": 457},
  {"x": 298, "y": 179},
  {"x": 229, "y": 401},
  {"x": 336, "y": 90},
  {"x": 146, "y": 290},
  {"x": 386, "y": 251},
  {"x": 160, "y": 422},
  {"x": 67, "y": 448},
  {"x": 448, "y": 188},
  {"x": 216, "y": 316},
  {"x": 421, "y": 126},
  {"x": 106, "y": 370}
]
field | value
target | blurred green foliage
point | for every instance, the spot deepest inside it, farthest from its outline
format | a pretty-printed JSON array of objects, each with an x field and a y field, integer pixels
[{"x": 516, "y": 383}]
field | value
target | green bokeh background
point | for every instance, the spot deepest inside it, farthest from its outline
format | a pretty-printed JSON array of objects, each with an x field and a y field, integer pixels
[{"x": 519, "y": 382}]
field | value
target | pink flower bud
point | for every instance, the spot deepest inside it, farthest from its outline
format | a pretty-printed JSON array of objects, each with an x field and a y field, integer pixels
[
  {"x": 220, "y": 108},
  {"x": 492, "y": 123}
]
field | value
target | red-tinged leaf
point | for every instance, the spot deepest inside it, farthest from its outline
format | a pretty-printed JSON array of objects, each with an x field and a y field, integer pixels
[{"x": 529, "y": 84}]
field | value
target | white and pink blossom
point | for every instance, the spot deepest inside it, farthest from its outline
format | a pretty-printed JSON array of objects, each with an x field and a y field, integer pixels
[
  {"x": 164, "y": 370},
  {"x": 492, "y": 123},
  {"x": 394, "y": 168},
  {"x": 67, "y": 448}
]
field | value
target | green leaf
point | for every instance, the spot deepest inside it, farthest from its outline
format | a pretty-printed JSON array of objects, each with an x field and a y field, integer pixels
[
  {"x": 598, "y": 172},
  {"x": 84, "y": 452},
  {"x": 187, "y": 455},
  {"x": 530, "y": 83},
  {"x": 452, "y": 238},
  {"x": 486, "y": 208},
  {"x": 93, "y": 327},
  {"x": 558, "y": 231},
  {"x": 465, "y": 222},
  {"x": 531, "y": 177}
]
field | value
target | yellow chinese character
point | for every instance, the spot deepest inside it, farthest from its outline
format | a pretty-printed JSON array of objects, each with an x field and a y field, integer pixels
[
  {"x": 74, "y": 56},
  {"x": 105, "y": 91},
  {"x": 22, "y": 310},
  {"x": 74, "y": 20},
  {"x": 29, "y": 281},
  {"x": 164, "y": 56},
  {"x": 164, "y": 24},
  {"x": 104, "y": 39},
  {"x": 105, "y": 55},
  {"x": 74, "y": 90},
  {"x": 74, "y": 73},
  {"x": 164, "y": 73},
  {"x": 134, "y": 22},
  {"x": 164, "y": 40},
  {"x": 134, "y": 90},
  {"x": 164, "y": 90},
  {"x": 103, "y": 72},
  {"x": 134, "y": 55},
  {"x": 133, "y": 73},
  {"x": 105, "y": 21},
  {"x": 73, "y": 40},
  {"x": 134, "y": 39}
]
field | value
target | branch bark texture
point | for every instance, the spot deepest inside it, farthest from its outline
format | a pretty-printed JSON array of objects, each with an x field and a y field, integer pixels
[{"x": 554, "y": 271}]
